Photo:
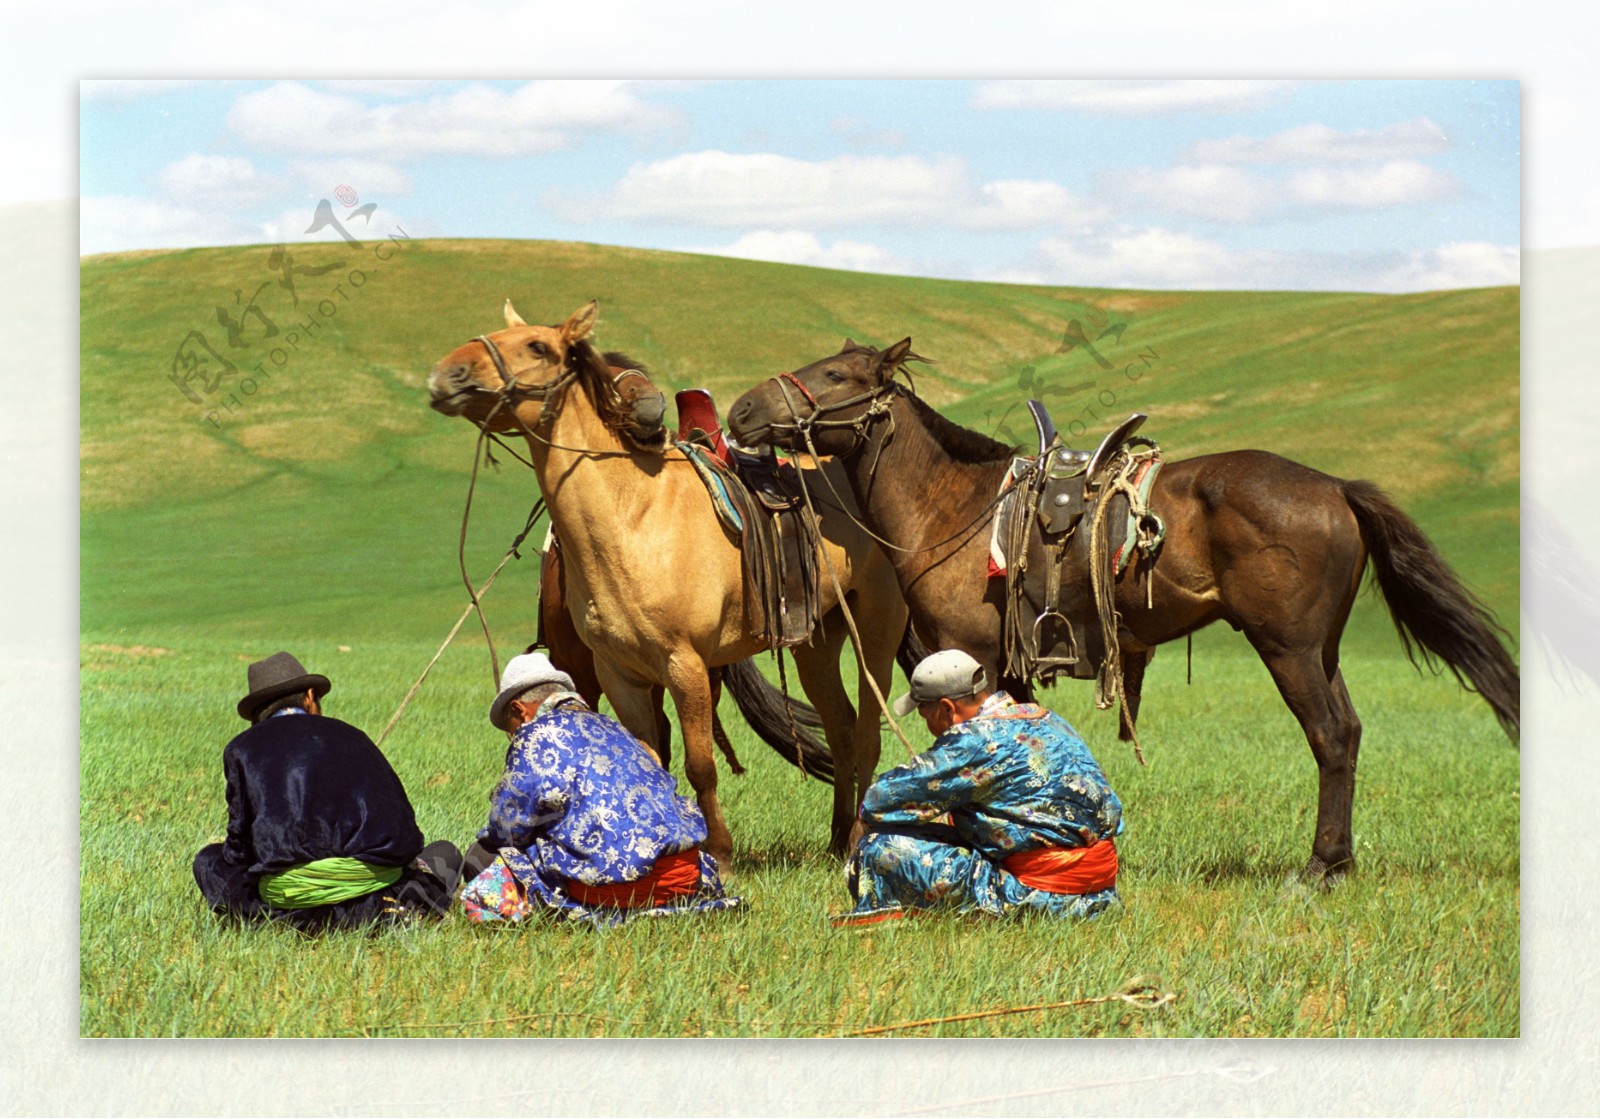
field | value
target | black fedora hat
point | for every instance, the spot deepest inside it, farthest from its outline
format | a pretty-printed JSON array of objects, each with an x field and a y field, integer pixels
[{"x": 277, "y": 676}]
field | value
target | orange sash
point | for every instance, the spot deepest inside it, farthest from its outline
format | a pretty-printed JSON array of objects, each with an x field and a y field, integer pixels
[
  {"x": 1066, "y": 870},
  {"x": 673, "y": 876}
]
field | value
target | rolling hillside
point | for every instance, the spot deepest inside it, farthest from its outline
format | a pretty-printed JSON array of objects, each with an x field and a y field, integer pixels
[{"x": 331, "y": 482}]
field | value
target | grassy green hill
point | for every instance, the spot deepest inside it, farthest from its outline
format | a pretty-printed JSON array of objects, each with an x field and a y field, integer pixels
[
  {"x": 320, "y": 514},
  {"x": 331, "y": 480}
]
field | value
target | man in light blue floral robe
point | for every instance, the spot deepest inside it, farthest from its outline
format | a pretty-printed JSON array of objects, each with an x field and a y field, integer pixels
[
  {"x": 1006, "y": 812},
  {"x": 585, "y": 824}
]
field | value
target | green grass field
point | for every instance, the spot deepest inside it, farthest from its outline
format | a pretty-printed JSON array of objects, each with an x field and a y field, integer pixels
[{"x": 322, "y": 513}]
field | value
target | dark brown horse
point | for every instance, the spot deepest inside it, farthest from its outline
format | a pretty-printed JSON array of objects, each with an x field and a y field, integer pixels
[{"x": 1275, "y": 549}]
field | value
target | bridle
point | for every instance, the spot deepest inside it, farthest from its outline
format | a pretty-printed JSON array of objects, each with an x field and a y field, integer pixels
[
  {"x": 881, "y": 402},
  {"x": 513, "y": 390},
  {"x": 860, "y": 425}
]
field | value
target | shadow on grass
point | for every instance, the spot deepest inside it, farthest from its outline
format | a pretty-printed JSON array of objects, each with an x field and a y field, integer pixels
[{"x": 785, "y": 854}]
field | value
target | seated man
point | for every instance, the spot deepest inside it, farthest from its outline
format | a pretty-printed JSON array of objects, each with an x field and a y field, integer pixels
[
  {"x": 585, "y": 824},
  {"x": 320, "y": 833},
  {"x": 1031, "y": 817}
]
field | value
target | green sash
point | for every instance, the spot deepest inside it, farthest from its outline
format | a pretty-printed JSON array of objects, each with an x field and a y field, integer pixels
[{"x": 325, "y": 882}]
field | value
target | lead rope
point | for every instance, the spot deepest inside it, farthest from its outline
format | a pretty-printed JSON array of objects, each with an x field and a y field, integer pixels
[
  {"x": 512, "y": 552},
  {"x": 1109, "y": 689}
]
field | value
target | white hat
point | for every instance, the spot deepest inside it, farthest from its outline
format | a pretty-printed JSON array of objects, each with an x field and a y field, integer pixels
[
  {"x": 950, "y": 674},
  {"x": 524, "y": 672}
]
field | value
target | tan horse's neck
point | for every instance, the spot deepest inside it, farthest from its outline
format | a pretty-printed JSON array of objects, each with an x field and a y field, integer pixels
[{"x": 632, "y": 523}]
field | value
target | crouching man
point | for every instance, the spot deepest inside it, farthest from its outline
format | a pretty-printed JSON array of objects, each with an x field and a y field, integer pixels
[
  {"x": 320, "y": 833},
  {"x": 585, "y": 824},
  {"x": 1030, "y": 816}
]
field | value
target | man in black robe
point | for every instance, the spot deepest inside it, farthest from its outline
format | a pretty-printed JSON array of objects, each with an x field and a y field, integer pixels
[{"x": 320, "y": 832}]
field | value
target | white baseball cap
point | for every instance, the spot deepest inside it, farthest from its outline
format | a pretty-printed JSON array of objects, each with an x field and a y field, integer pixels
[
  {"x": 521, "y": 673},
  {"x": 949, "y": 674}
]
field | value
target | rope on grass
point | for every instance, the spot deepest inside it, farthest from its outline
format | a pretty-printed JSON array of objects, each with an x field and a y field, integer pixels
[
  {"x": 1143, "y": 992},
  {"x": 511, "y": 552}
]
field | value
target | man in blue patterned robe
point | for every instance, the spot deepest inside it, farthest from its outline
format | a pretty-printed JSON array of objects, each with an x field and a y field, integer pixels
[
  {"x": 1007, "y": 812},
  {"x": 585, "y": 824}
]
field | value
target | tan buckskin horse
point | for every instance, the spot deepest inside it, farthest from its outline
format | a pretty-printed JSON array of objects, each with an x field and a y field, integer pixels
[
  {"x": 655, "y": 584},
  {"x": 1275, "y": 549}
]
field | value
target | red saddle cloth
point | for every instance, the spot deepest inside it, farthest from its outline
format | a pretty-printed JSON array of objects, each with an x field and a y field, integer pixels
[
  {"x": 1066, "y": 870},
  {"x": 674, "y": 876},
  {"x": 697, "y": 411}
]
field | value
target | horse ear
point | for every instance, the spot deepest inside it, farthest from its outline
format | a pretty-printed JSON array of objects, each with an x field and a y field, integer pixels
[
  {"x": 849, "y": 344},
  {"x": 577, "y": 328},
  {"x": 895, "y": 355},
  {"x": 512, "y": 318}
]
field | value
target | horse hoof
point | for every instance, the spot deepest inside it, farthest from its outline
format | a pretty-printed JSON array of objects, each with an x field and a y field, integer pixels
[{"x": 1319, "y": 873}]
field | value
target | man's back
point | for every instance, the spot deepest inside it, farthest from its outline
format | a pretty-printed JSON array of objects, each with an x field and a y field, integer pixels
[
  {"x": 308, "y": 787},
  {"x": 589, "y": 800}
]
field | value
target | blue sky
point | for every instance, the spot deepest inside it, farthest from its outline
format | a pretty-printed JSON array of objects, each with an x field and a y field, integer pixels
[{"x": 1366, "y": 185}]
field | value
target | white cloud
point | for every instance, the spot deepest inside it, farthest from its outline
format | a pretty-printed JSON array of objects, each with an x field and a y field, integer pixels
[
  {"x": 114, "y": 223},
  {"x": 1317, "y": 143},
  {"x": 1164, "y": 259},
  {"x": 1461, "y": 264},
  {"x": 1131, "y": 98},
  {"x": 1399, "y": 182},
  {"x": 1219, "y": 192},
  {"x": 724, "y": 189},
  {"x": 476, "y": 120},
  {"x": 217, "y": 180},
  {"x": 798, "y": 247}
]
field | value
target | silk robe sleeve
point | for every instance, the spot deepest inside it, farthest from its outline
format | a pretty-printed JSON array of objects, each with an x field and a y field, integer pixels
[{"x": 925, "y": 789}]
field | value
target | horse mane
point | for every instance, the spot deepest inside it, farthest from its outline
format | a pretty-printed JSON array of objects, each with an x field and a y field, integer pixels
[
  {"x": 593, "y": 370},
  {"x": 961, "y": 443},
  {"x": 616, "y": 359}
]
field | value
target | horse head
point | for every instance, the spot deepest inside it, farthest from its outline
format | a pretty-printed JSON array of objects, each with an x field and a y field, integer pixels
[
  {"x": 834, "y": 400},
  {"x": 514, "y": 378}
]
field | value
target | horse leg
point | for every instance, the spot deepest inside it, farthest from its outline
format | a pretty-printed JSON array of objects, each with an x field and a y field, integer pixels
[
  {"x": 882, "y": 601},
  {"x": 1134, "y": 662},
  {"x": 691, "y": 694},
  {"x": 663, "y": 742},
  {"x": 636, "y": 703},
  {"x": 817, "y": 665},
  {"x": 1317, "y": 697}
]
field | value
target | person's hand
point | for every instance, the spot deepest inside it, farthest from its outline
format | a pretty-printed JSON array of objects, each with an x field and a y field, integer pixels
[{"x": 857, "y": 831}]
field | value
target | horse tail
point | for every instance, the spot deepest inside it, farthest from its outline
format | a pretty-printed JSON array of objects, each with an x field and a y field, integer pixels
[
  {"x": 764, "y": 708},
  {"x": 1433, "y": 610},
  {"x": 911, "y": 653}
]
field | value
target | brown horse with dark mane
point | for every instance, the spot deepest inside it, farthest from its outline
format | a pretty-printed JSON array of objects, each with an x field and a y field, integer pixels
[{"x": 1275, "y": 549}]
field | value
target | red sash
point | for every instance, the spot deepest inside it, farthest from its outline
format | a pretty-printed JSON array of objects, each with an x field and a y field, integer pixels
[
  {"x": 673, "y": 876},
  {"x": 1066, "y": 870}
]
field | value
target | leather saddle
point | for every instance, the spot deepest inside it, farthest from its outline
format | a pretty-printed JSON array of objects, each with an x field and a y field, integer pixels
[
  {"x": 759, "y": 500},
  {"x": 1052, "y": 627}
]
